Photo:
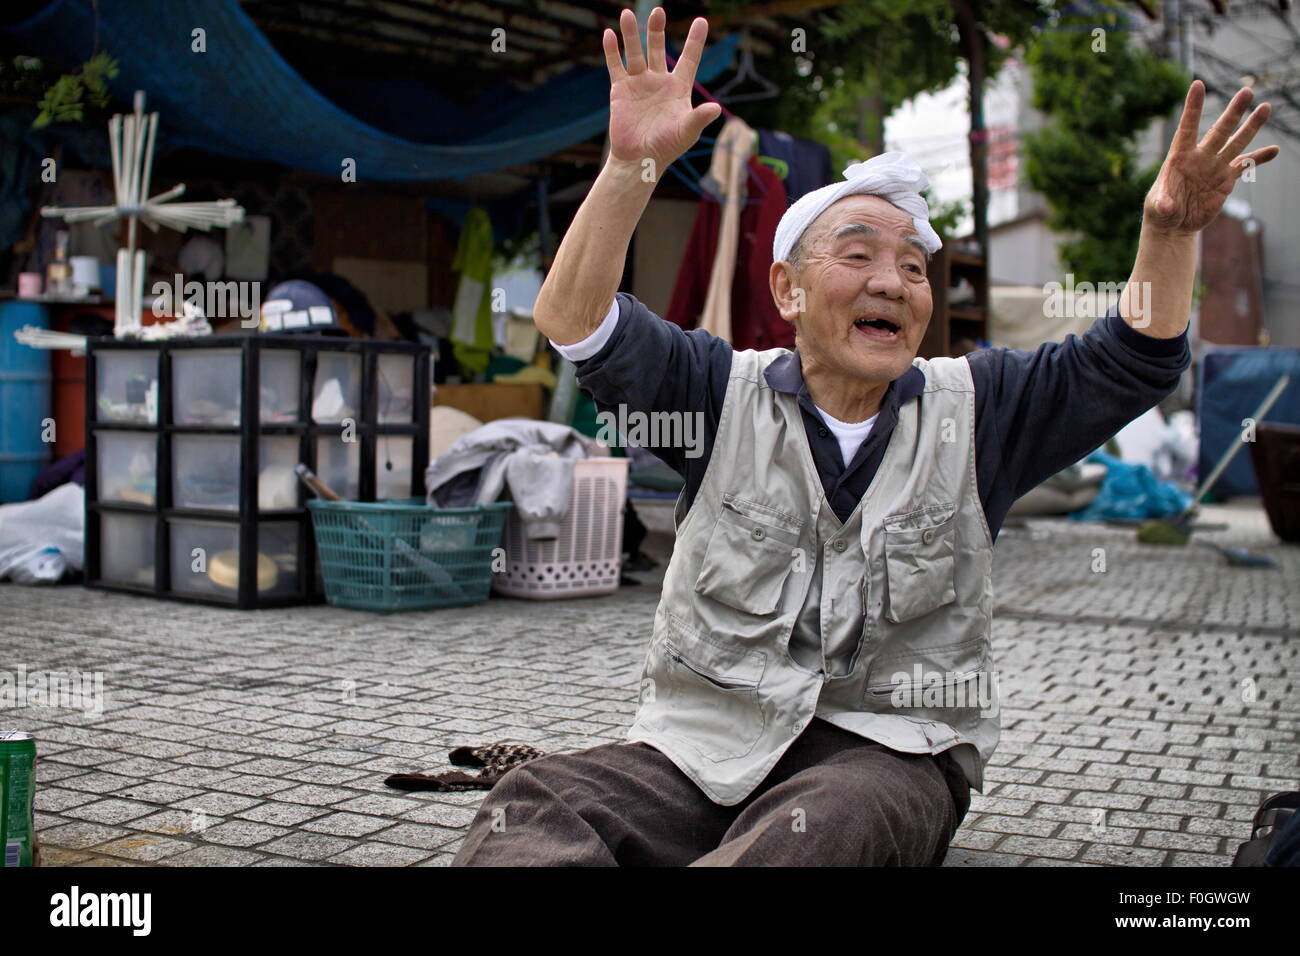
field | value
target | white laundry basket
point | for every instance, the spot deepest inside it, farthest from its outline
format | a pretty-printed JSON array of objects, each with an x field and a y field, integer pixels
[{"x": 588, "y": 554}]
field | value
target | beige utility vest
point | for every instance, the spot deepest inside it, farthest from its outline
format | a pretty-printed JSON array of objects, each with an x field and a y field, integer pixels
[{"x": 903, "y": 590}]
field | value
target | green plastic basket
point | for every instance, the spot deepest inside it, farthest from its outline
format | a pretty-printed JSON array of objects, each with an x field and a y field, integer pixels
[{"x": 403, "y": 555}]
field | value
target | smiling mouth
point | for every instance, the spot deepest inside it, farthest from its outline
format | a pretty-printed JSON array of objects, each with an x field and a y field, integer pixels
[{"x": 882, "y": 329}]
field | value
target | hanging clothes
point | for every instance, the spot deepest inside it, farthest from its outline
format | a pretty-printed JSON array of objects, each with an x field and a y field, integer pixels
[
  {"x": 471, "y": 315},
  {"x": 756, "y": 323},
  {"x": 726, "y": 177},
  {"x": 808, "y": 161}
]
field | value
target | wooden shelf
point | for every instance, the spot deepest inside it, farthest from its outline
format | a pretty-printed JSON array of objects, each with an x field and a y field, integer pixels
[{"x": 949, "y": 324}]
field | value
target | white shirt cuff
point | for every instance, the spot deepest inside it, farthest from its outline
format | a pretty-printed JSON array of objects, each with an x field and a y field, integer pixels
[{"x": 595, "y": 341}]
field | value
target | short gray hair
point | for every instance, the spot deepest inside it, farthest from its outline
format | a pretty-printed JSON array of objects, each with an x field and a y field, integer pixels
[{"x": 797, "y": 252}]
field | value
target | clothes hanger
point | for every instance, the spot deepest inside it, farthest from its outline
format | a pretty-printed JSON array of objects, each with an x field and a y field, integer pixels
[
  {"x": 693, "y": 184},
  {"x": 767, "y": 89}
]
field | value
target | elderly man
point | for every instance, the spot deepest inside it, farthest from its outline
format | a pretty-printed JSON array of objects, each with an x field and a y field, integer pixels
[{"x": 817, "y": 688}]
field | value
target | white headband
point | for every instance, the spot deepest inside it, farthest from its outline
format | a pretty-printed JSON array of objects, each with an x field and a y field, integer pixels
[{"x": 894, "y": 177}]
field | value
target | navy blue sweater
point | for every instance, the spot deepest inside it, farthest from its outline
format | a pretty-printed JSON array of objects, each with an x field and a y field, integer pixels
[{"x": 1035, "y": 412}]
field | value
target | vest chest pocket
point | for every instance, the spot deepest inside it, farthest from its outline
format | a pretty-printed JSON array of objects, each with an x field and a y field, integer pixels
[
  {"x": 749, "y": 556},
  {"x": 920, "y": 549}
]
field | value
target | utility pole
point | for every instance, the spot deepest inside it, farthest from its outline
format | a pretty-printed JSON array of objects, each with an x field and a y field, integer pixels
[{"x": 972, "y": 42}]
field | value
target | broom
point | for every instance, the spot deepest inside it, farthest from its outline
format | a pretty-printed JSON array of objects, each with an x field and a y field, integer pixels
[{"x": 1177, "y": 530}]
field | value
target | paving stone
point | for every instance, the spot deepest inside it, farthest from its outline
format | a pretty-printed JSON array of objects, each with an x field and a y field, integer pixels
[
  {"x": 969, "y": 839},
  {"x": 213, "y": 856},
  {"x": 1002, "y": 824},
  {"x": 958, "y": 856},
  {"x": 313, "y": 795},
  {"x": 56, "y": 798},
  {"x": 216, "y": 803},
  {"x": 158, "y": 793},
  {"x": 57, "y": 856},
  {"x": 109, "y": 811},
  {"x": 280, "y": 814},
  {"x": 345, "y": 824},
  {"x": 1087, "y": 833},
  {"x": 79, "y": 836},
  {"x": 309, "y": 846},
  {"x": 254, "y": 786},
  {"x": 419, "y": 836},
  {"x": 1195, "y": 842},
  {"x": 378, "y": 805},
  {"x": 147, "y": 847},
  {"x": 243, "y": 833},
  {"x": 1123, "y": 855},
  {"x": 441, "y": 815},
  {"x": 380, "y": 854}
]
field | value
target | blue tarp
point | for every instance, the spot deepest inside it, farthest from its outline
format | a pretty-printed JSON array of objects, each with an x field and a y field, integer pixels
[
  {"x": 1131, "y": 491},
  {"x": 1233, "y": 381},
  {"x": 241, "y": 99}
]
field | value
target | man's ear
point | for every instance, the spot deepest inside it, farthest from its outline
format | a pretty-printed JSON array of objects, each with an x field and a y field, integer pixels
[{"x": 791, "y": 300}]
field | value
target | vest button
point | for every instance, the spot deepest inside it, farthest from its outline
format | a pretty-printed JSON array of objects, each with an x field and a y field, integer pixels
[
  {"x": 928, "y": 536},
  {"x": 839, "y": 544},
  {"x": 822, "y": 432},
  {"x": 758, "y": 534}
]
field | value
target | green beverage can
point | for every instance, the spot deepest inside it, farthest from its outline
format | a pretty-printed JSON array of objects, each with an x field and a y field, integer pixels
[{"x": 17, "y": 792}]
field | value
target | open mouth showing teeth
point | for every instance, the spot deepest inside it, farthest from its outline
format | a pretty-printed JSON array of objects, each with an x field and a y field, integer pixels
[{"x": 877, "y": 328}]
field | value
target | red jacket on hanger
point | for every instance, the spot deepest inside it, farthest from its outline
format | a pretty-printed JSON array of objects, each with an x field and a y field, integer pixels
[{"x": 755, "y": 321}]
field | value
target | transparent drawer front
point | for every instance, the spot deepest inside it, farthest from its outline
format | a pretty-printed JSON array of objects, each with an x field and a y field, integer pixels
[
  {"x": 338, "y": 464},
  {"x": 277, "y": 546},
  {"x": 396, "y": 374},
  {"x": 127, "y": 466},
  {"x": 277, "y": 485},
  {"x": 279, "y": 379},
  {"x": 205, "y": 557},
  {"x": 126, "y": 549},
  {"x": 126, "y": 386},
  {"x": 205, "y": 472},
  {"x": 336, "y": 392},
  {"x": 206, "y": 387},
  {"x": 393, "y": 466}
]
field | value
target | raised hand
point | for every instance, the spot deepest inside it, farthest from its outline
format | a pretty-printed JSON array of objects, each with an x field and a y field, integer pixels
[
  {"x": 1196, "y": 178},
  {"x": 650, "y": 113}
]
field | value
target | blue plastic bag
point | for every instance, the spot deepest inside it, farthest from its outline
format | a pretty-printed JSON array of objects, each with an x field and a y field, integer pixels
[{"x": 1131, "y": 491}]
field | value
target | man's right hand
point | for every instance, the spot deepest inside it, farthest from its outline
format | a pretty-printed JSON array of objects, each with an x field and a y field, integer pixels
[
  {"x": 650, "y": 113},
  {"x": 650, "y": 118}
]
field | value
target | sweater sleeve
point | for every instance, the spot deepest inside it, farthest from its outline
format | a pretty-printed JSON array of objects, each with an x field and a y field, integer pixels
[
  {"x": 1043, "y": 410},
  {"x": 649, "y": 365}
]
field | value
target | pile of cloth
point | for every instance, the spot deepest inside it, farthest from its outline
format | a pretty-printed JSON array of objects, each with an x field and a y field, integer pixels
[{"x": 530, "y": 460}]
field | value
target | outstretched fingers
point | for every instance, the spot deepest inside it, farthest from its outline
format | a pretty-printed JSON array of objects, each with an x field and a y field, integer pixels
[
  {"x": 631, "y": 42},
  {"x": 654, "y": 38},
  {"x": 1189, "y": 123},
  {"x": 1257, "y": 157},
  {"x": 613, "y": 61},
  {"x": 689, "y": 61},
  {"x": 1227, "y": 122},
  {"x": 1241, "y": 139}
]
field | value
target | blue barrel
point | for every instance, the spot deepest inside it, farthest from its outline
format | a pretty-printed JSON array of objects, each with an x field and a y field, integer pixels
[{"x": 24, "y": 401}]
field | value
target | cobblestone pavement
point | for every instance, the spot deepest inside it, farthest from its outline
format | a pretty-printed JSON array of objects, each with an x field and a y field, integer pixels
[{"x": 1146, "y": 710}]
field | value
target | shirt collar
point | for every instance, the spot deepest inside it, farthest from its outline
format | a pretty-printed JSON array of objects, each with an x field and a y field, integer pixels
[{"x": 786, "y": 375}]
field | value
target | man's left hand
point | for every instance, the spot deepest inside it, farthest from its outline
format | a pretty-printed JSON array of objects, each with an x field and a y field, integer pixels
[{"x": 1197, "y": 178}]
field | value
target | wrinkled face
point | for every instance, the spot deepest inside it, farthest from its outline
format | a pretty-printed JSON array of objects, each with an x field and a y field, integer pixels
[{"x": 867, "y": 301}]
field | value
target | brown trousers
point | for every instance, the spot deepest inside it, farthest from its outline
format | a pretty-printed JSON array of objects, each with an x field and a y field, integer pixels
[{"x": 833, "y": 799}]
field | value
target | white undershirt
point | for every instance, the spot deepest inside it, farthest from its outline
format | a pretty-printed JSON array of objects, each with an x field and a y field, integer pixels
[{"x": 850, "y": 435}]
